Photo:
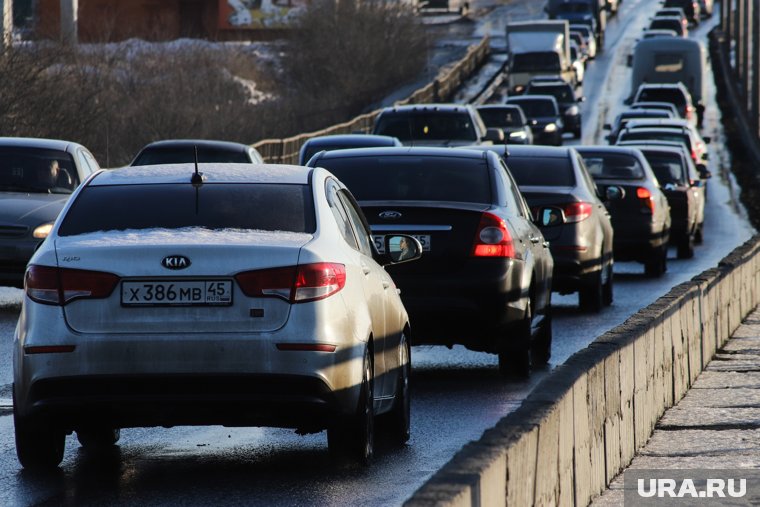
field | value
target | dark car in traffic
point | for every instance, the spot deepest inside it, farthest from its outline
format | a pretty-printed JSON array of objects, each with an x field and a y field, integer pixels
[
  {"x": 641, "y": 216},
  {"x": 183, "y": 151},
  {"x": 569, "y": 104},
  {"x": 511, "y": 119},
  {"x": 632, "y": 114},
  {"x": 544, "y": 116},
  {"x": 681, "y": 183},
  {"x": 38, "y": 177},
  {"x": 485, "y": 278},
  {"x": 580, "y": 232},
  {"x": 343, "y": 142}
]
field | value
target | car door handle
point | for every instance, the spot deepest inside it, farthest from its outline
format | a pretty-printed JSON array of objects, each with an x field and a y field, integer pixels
[
  {"x": 546, "y": 244},
  {"x": 534, "y": 239},
  {"x": 386, "y": 284},
  {"x": 365, "y": 269}
]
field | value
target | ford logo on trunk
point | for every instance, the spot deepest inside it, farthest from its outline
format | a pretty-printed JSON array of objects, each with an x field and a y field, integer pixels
[
  {"x": 175, "y": 262},
  {"x": 390, "y": 215}
]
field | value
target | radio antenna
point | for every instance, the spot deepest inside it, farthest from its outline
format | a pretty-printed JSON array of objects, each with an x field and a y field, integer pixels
[{"x": 197, "y": 178}]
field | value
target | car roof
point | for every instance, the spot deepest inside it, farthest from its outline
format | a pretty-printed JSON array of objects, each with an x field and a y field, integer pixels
[
  {"x": 353, "y": 139},
  {"x": 661, "y": 122},
  {"x": 35, "y": 142},
  {"x": 658, "y": 32},
  {"x": 537, "y": 150},
  {"x": 400, "y": 151},
  {"x": 663, "y": 148},
  {"x": 623, "y": 150},
  {"x": 200, "y": 143},
  {"x": 662, "y": 86},
  {"x": 428, "y": 108},
  {"x": 498, "y": 106},
  {"x": 212, "y": 173},
  {"x": 524, "y": 98}
]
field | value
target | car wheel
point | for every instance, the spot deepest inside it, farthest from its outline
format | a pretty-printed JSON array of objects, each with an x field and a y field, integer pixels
[
  {"x": 397, "y": 421},
  {"x": 541, "y": 350},
  {"x": 39, "y": 445},
  {"x": 657, "y": 264},
  {"x": 514, "y": 359},
  {"x": 354, "y": 437},
  {"x": 591, "y": 295},
  {"x": 98, "y": 438},
  {"x": 607, "y": 295},
  {"x": 686, "y": 247}
]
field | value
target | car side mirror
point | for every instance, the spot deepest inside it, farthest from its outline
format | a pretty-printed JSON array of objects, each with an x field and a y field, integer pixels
[
  {"x": 581, "y": 99},
  {"x": 549, "y": 216},
  {"x": 614, "y": 193},
  {"x": 707, "y": 139},
  {"x": 402, "y": 248},
  {"x": 628, "y": 101},
  {"x": 607, "y": 126},
  {"x": 494, "y": 135},
  {"x": 704, "y": 172}
]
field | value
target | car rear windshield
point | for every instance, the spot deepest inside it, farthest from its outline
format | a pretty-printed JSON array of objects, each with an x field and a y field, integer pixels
[
  {"x": 641, "y": 135},
  {"x": 183, "y": 155},
  {"x": 613, "y": 166},
  {"x": 534, "y": 108},
  {"x": 37, "y": 171},
  {"x": 561, "y": 92},
  {"x": 672, "y": 95},
  {"x": 267, "y": 207},
  {"x": 545, "y": 61},
  {"x": 501, "y": 117},
  {"x": 542, "y": 171},
  {"x": 666, "y": 24},
  {"x": 428, "y": 126},
  {"x": 667, "y": 167},
  {"x": 410, "y": 178}
]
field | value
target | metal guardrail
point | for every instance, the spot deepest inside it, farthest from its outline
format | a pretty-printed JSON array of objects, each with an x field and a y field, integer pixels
[{"x": 285, "y": 151}]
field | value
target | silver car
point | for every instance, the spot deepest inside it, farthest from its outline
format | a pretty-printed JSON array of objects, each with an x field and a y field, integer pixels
[{"x": 239, "y": 295}]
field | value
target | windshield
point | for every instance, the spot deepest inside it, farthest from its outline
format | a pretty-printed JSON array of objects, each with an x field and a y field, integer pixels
[
  {"x": 547, "y": 61},
  {"x": 541, "y": 171},
  {"x": 186, "y": 155},
  {"x": 501, "y": 117},
  {"x": 441, "y": 126},
  {"x": 574, "y": 8},
  {"x": 266, "y": 207},
  {"x": 411, "y": 178},
  {"x": 538, "y": 107},
  {"x": 668, "y": 167},
  {"x": 562, "y": 92},
  {"x": 672, "y": 95},
  {"x": 37, "y": 171},
  {"x": 659, "y": 135},
  {"x": 613, "y": 166}
]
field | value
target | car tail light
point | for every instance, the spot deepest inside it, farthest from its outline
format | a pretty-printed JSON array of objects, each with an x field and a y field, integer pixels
[
  {"x": 295, "y": 284},
  {"x": 493, "y": 238},
  {"x": 60, "y": 286},
  {"x": 694, "y": 156},
  {"x": 577, "y": 212},
  {"x": 689, "y": 112},
  {"x": 646, "y": 198}
]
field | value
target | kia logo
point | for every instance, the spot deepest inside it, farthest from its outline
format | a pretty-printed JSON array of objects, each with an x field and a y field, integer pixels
[
  {"x": 390, "y": 215},
  {"x": 175, "y": 262}
]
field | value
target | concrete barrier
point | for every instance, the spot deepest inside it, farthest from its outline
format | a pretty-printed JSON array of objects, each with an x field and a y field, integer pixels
[{"x": 582, "y": 424}]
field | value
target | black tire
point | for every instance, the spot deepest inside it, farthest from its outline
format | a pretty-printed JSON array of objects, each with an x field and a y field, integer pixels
[
  {"x": 353, "y": 438},
  {"x": 657, "y": 264},
  {"x": 39, "y": 445},
  {"x": 607, "y": 288},
  {"x": 98, "y": 438},
  {"x": 514, "y": 359},
  {"x": 541, "y": 349},
  {"x": 686, "y": 247},
  {"x": 591, "y": 295},
  {"x": 398, "y": 420}
]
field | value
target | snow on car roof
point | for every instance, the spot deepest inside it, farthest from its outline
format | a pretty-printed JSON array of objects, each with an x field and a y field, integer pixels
[
  {"x": 212, "y": 173},
  {"x": 184, "y": 236}
]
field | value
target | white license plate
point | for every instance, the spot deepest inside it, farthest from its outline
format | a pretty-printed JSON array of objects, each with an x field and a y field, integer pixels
[
  {"x": 424, "y": 240},
  {"x": 177, "y": 293}
]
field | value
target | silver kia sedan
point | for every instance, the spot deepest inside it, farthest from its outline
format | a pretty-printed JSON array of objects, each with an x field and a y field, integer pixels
[{"x": 224, "y": 294}]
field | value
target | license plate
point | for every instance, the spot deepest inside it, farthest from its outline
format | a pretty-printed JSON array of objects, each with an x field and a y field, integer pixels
[
  {"x": 177, "y": 293},
  {"x": 424, "y": 240}
]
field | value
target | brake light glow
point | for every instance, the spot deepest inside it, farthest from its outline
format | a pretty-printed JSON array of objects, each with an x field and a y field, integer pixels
[
  {"x": 49, "y": 349},
  {"x": 577, "y": 212},
  {"x": 60, "y": 286},
  {"x": 646, "y": 198},
  {"x": 307, "y": 347},
  {"x": 493, "y": 238},
  {"x": 295, "y": 284}
]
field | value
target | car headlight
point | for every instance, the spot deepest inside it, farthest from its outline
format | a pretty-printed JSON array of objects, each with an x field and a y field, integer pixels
[
  {"x": 551, "y": 127},
  {"x": 520, "y": 134},
  {"x": 572, "y": 111},
  {"x": 42, "y": 231}
]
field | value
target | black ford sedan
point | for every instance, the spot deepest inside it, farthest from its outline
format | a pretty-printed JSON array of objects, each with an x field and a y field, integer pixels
[{"x": 485, "y": 278}]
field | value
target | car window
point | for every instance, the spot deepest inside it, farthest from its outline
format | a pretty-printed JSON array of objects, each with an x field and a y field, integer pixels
[
  {"x": 514, "y": 198},
  {"x": 660, "y": 135},
  {"x": 94, "y": 166},
  {"x": 501, "y": 117},
  {"x": 267, "y": 207},
  {"x": 667, "y": 167},
  {"x": 186, "y": 154},
  {"x": 547, "y": 61},
  {"x": 590, "y": 183},
  {"x": 537, "y": 107},
  {"x": 413, "y": 178},
  {"x": 38, "y": 171},
  {"x": 541, "y": 171},
  {"x": 612, "y": 166},
  {"x": 354, "y": 216},
  {"x": 339, "y": 213},
  {"x": 425, "y": 126}
]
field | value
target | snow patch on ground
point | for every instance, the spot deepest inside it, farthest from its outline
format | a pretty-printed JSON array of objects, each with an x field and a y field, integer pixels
[{"x": 11, "y": 297}]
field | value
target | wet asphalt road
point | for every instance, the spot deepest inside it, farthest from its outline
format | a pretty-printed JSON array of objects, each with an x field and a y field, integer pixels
[{"x": 456, "y": 394}]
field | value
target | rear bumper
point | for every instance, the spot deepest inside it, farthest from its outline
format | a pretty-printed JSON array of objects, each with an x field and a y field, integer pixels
[{"x": 573, "y": 271}]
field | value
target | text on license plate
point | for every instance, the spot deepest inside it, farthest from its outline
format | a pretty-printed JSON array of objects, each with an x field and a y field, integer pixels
[
  {"x": 177, "y": 292},
  {"x": 424, "y": 240}
]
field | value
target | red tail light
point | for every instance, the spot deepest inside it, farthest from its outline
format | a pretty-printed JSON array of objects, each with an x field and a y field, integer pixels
[
  {"x": 645, "y": 196},
  {"x": 493, "y": 238},
  {"x": 577, "y": 212},
  {"x": 694, "y": 155},
  {"x": 295, "y": 284},
  {"x": 59, "y": 286}
]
